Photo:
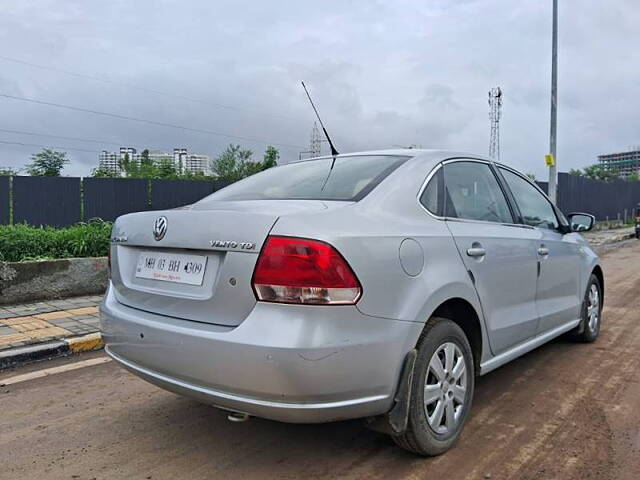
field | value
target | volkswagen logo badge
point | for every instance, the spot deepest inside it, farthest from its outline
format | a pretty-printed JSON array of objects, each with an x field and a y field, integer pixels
[{"x": 160, "y": 228}]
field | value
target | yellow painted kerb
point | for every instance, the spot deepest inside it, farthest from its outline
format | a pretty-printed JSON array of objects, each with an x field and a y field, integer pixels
[{"x": 89, "y": 342}]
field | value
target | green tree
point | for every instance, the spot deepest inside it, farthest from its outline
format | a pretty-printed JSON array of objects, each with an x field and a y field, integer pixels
[
  {"x": 125, "y": 163},
  {"x": 236, "y": 163},
  {"x": 130, "y": 168},
  {"x": 165, "y": 168},
  {"x": 146, "y": 168},
  {"x": 8, "y": 172},
  {"x": 144, "y": 158},
  {"x": 149, "y": 167},
  {"x": 576, "y": 172},
  {"x": 598, "y": 172},
  {"x": 192, "y": 176},
  {"x": 47, "y": 163},
  {"x": 142, "y": 169},
  {"x": 104, "y": 173},
  {"x": 531, "y": 176},
  {"x": 232, "y": 164},
  {"x": 633, "y": 177},
  {"x": 249, "y": 168},
  {"x": 271, "y": 156}
]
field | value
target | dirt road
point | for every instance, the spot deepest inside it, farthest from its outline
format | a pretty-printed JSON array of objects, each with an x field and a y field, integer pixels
[{"x": 565, "y": 411}]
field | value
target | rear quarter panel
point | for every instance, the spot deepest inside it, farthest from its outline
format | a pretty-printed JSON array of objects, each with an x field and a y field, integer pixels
[{"x": 369, "y": 234}]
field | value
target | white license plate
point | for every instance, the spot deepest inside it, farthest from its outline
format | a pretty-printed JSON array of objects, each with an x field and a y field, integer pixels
[{"x": 171, "y": 267}]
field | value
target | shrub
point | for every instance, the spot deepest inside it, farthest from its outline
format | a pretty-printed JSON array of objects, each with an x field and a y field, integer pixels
[{"x": 23, "y": 242}]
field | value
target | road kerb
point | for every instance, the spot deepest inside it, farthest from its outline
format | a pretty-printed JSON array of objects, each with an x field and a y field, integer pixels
[
  {"x": 44, "y": 351},
  {"x": 86, "y": 343}
]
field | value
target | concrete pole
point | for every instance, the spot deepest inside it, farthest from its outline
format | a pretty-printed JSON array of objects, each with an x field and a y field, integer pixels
[{"x": 554, "y": 104}]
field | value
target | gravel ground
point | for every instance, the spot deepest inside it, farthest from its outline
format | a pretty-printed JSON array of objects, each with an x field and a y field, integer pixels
[{"x": 565, "y": 411}]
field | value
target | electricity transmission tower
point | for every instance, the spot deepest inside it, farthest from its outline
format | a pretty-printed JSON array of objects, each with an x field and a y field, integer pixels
[
  {"x": 316, "y": 139},
  {"x": 315, "y": 143},
  {"x": 495, "y": 105}
]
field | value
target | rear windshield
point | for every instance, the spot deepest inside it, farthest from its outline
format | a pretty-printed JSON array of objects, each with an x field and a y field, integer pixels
[{"x": 351, "y": 179}]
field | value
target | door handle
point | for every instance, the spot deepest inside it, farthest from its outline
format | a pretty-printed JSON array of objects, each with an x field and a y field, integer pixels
[
  {"x": 476, "y": 252},
  {"x": 543, "y": 251}
]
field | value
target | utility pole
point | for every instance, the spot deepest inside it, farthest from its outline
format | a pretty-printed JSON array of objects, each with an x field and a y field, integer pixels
[
  {"x": 554, "y": 106},
  {"x": 495, "y": 105}
]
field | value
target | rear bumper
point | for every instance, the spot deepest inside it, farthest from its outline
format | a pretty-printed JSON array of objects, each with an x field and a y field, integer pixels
[{"x": 284, "y": 362}]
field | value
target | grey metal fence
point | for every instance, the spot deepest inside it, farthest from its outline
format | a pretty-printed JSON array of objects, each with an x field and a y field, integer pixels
[
  {"x": 544, "y": 186},
  {"x": 62, "y": 201},
  {"x": 108, "y": 198},
  {"x": 4, "y": 200},
  {"x": 57, "y": 201},
  {"x": 175, "y": 193},
  {"x": 53, "y": 201},
  {"x": 615, "y": 200}
]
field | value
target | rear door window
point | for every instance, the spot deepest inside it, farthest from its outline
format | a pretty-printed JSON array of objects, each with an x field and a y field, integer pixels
[
  {"x": 472, "y": 192},
  {"x": 349, "y": 178}
]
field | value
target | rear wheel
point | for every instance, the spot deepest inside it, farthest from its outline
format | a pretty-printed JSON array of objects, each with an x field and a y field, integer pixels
[{"x": 442, "y": 389}]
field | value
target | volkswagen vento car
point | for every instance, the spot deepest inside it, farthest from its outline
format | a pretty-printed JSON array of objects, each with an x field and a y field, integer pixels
[{"x": 373, "y": 285}]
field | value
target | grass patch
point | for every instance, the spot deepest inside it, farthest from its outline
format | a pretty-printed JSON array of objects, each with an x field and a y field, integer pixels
[{"x": 23, "y": 242}]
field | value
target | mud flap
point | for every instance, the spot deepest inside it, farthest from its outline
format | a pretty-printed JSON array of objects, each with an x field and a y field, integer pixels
[{"x": 394, "y": 422}]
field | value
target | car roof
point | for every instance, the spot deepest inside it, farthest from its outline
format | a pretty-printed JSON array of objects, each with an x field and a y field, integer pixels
[
  {"x": 417, "y": 154},
  {"x": 422, "y": 153}
]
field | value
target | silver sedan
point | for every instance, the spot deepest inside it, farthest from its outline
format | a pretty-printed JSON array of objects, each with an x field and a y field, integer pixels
[{"x": 373, "y": 285}]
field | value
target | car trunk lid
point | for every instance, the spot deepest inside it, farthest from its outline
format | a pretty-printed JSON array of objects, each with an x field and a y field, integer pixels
[{"x": 225, "y": 238}]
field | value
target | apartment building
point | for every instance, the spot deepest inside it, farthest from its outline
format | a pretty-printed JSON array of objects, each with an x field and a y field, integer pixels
[
  {"x": 622, "y": 163},
  {"x": 184, "y": 161}
]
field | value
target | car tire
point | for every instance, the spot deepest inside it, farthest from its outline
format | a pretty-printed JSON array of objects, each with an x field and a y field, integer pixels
[
  {"x": 432, "y": 429},
  {"x": 589, "y": 327}
]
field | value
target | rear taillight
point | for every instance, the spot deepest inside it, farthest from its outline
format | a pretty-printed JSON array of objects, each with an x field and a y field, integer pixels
[{"x": 299, "y": 270}]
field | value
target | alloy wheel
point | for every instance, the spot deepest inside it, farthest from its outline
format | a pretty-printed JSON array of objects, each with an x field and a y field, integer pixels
[
  {"x": 593, "y": 307},
  {"x": 445, "y": 388}
]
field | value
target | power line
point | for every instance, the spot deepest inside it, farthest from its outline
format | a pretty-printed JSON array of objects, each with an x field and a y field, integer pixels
[
  {"x": 86, "y": 140},
  {"x": 143, "y": 89},
  {"x": 48, "y": 146},
  {"x": 143, "y": 120},
  {"x": 77, "y": 139}
]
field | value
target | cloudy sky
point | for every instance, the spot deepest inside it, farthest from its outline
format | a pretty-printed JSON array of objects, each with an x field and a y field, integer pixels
[{"x": 382, "y": 73}]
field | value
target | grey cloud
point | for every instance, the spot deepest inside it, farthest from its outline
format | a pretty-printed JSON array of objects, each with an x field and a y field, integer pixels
[{"x": 382, "y": 73}]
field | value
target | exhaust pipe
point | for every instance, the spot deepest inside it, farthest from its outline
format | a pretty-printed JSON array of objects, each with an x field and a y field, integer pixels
[{"x": 237, "y": 417}]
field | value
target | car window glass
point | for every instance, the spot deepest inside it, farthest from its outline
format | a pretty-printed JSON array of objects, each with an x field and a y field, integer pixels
[
  {"x": 472, "y": 192},
  {"x": 429, "y": 197},
  {"x": 348, "y": 178},
  {"x": 536, "y": 210}
]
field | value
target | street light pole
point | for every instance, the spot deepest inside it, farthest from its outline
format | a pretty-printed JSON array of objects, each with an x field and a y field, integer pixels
[{"x": 554, "y": 105}]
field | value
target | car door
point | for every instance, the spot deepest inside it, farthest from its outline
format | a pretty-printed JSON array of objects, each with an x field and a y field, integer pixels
[
  {"x": 499, "y": 254},
  {"x": 558, "y": 296}
]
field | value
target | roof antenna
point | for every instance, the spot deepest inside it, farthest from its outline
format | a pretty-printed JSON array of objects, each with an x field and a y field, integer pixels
[{"x": 334, "y": 152}]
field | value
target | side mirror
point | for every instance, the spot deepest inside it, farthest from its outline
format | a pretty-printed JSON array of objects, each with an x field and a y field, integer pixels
[{"x": 581, "y": 222}]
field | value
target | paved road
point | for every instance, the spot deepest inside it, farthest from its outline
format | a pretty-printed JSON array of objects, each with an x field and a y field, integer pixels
[{"x": 564, "y": 411}]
